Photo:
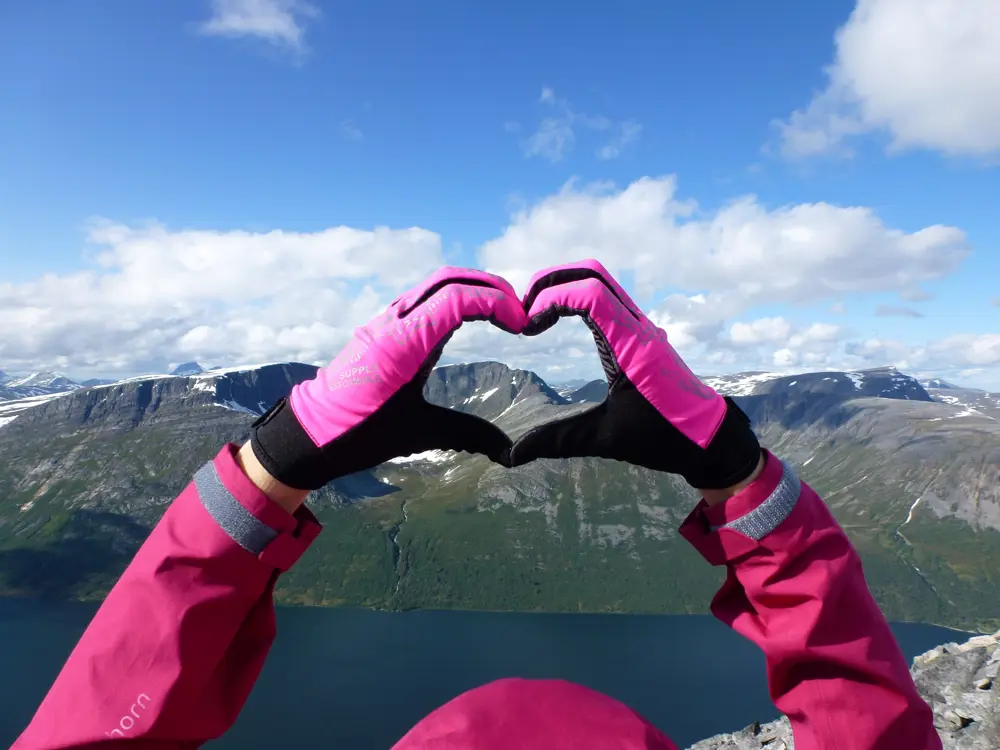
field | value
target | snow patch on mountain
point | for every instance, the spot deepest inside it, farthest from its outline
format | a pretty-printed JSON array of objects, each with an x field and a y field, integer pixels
[
  {"x": 203, "y": 386},
  {"x": 136, "y": 379},
  {"x": 236, "y": 368},
  {"x": 431, "y": 456},
  {"x": 233, "y": 406},
  {"x": 18, "y": 405},
  {"x": 742, "y": 384},
  {"x": 969, "y": 401},
  {"x": 43, "y": 380}
]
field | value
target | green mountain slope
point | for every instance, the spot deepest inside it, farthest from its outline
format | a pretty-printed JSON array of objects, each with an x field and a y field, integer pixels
[{"x": 914, "y": 482}]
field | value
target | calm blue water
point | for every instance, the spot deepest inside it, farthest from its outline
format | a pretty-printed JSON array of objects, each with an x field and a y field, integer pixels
[{"x": 354, "y": 679}]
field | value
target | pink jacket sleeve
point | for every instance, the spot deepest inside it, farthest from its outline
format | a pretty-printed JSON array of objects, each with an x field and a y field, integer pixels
[
  {"x": 170, "y": 657},
  {"x": 795, "y": 587}
]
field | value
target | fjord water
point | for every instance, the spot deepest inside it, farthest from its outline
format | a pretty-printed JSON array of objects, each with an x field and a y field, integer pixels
[{"x": 349, "y": 678}]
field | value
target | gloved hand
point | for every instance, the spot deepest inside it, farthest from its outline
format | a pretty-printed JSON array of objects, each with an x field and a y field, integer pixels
[
  {"x": 367, "y": 406},
  {"x": 657, "y": 413}
]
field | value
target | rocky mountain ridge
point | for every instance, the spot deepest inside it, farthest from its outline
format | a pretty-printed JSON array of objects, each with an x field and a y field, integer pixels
[
  {"x": 960, "y": 681},
  {"x": 35, "y": 384},
  {"x": 913, "y": 480}
]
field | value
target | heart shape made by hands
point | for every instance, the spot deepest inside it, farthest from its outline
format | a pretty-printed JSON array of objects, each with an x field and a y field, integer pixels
[{"x": 367, "y": 406}]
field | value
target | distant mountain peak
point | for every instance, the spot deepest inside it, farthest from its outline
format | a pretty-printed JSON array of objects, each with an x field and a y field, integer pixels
[
  {"x": 187, "y": 369},
  {"x": 877, "y": 382},
  {"x": 939, "y": 384},
  {"x": 593, "y": 392},
  {"x": 43, "y": 379},
  {"x": 36, "y": 384},
  {"x": 486, "y": 389}
]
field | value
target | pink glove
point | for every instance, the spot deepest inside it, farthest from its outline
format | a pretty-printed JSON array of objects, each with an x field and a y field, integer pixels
[
  {"x": 367, "y": 406},
  {"x": 657, "y": 413}
]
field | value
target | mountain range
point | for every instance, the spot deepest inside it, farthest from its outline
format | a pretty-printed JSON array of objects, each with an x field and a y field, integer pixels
[{"x": 911, "y": 470}]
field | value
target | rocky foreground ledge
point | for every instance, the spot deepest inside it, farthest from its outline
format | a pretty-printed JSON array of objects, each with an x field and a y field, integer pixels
[{"x": 958, "y": 680}]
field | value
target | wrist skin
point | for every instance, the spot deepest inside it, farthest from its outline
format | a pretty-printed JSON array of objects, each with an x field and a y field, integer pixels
[
  {"x": 714, "y": 497},
  {"x": 286, "y": 497}
]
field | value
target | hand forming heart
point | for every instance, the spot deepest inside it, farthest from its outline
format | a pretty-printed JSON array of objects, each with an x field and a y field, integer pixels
[{"x": 367, "y": 406}]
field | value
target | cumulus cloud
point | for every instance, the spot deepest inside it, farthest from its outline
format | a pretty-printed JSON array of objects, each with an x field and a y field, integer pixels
[
  {"x": 152, "y": 294},
  {"x": 565, "y": 351},
  {"x": 921, "y": 71},
  {"x": 279, "y": 22},
  {"x": 966, "y": 349},
  {"x": 774, "y": 343},
  {"x": 890, "y": 311},
  {"x": 760, "y": 331},
  {"x": 555, "y": 136},
  {"x": 741, "y": 255},
  {"x": 733, "y": 261}
]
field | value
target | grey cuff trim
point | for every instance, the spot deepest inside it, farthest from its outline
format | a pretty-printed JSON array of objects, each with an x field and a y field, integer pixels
[
  {"x": 246, "y": 530},
  {"x": 767, "y": 516}
]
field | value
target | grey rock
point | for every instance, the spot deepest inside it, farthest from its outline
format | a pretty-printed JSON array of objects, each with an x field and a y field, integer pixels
[
  {"x": 486, "y": 389},
  {"x": 188, "y": 368},
  {"x": 35, "y": 384},
  {"x": 969, "y": 400},
  {"x": 593, "y": 392},
  {"x": 957, "y": 680}
]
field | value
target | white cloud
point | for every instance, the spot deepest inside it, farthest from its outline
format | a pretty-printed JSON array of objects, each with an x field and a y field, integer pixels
[
  {"x": 967, "y": 349},
  {"x": 760, "y": 330},
  {"x": 627, "y": 133},
  {"x": 351, "y": 130},
  {"x": 784, "y": 358},
  {"x": 555, "y": 136},
  {"x": 772, "y": 343},
  {"x": 922, "y": 71},
  {"x": 153, "y": 295},
  {"x": 732, "y": 261},
  {"x": 740, "y": 255},
  {"x": 897, "y": 311},
  {"x": 967, "y": 359},
  {"x": 553, "y": 139},
  {"x": 280, "y": 22}
]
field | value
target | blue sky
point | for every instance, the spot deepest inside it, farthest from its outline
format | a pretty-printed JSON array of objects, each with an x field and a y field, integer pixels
[{"x": 452, "y": 117}]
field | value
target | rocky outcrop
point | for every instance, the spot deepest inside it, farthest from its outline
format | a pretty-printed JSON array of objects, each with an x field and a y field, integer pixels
[
  {"x": 126, "y": 404},
  {"x": 958, "y": 680},
  {"x": 187, "y": 369},
  {"x": 486, "y": 389},
  {"x": 593, "y": 392}
]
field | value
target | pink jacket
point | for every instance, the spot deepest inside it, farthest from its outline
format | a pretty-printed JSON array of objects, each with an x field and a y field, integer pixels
[{"x": 173, "y": 652}]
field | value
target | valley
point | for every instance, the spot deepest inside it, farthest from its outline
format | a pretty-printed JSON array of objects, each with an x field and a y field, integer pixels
[{"x": 912, "y": 477}]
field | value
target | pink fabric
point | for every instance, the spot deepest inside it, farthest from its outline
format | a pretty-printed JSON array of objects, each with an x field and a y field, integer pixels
[
  {"x": 534, "y": 715},
  {"x": 641, "y": 350},
  {"x": 170, "y": 657},
  {"x": 833, "y": 664},
  {"x": 173, "y": 653},
  {"x": 388, "y": 352}
]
